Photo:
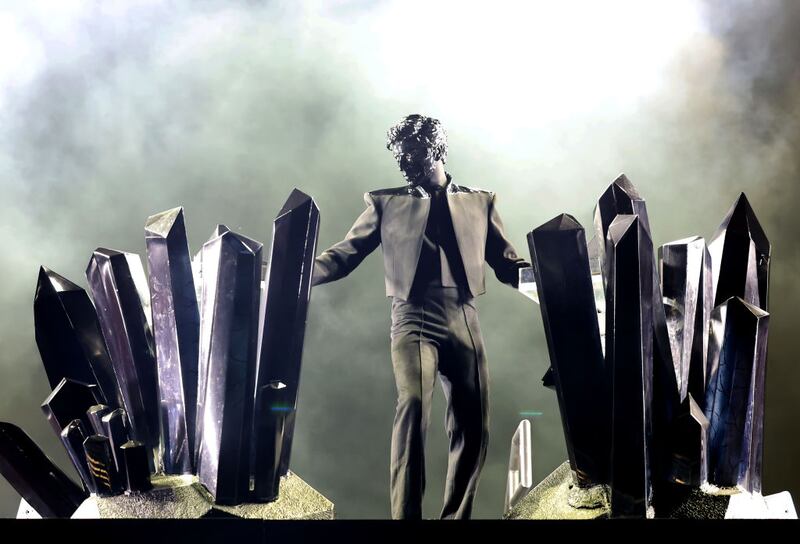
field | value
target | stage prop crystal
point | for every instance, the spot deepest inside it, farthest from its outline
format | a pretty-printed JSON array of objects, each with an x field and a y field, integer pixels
[
  {"x": 73, "y": 437},
  {"x": 689, "y": 445},
  {"x": 101, "y": 465},
  {"x": 29, "y": 471},
  {"x": 115, "y": 428},
  {"x": 564, "y": 282},
  {"x": 629, "y": 351},
  {"x": 70, "y": 400},
  {"x": 734, "y": 403},
  {"x": 520, "y": 465},
  {"x": 228, "y": 354},
  {"x": 96, "y": 414},
  {"x": 136, "y": 474},
  {"x": 287, "y": 291},
  {"x": 69, "y": 338},
  {"x": 176, "y": 330},
  {"x": 115, "y": 280},
  {"x": 740, "y": 255},
  {"x": 688, "y": 298}
]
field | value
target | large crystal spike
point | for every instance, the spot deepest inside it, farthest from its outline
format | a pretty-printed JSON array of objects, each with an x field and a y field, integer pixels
[
  {"x": 629, "y": 351},
  {"x": 740, "y": 255},
  {"x": 176, "y": 330},
  {"x": 735, "y": 394},
  {"x": 101, "y": 465},
  {"x": 228, "y": 356},
  {"x": 563, "y": 276},
  {"x": 69, "y": 338},
  {"x": 72, "y": 436},
  {"x": 70, "y": 400},
  {"x": 40, "y": 482},
  {"x": 688, "y": 299},
  {"x": 119, "y": 296},
  {"x": 520, "y": 465},
  {"x": 287, "y": 290}
]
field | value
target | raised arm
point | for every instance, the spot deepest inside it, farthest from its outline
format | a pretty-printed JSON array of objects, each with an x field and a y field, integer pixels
[
  {"x": 500, "y": 254},
  {"x": 342, "y": 258}
]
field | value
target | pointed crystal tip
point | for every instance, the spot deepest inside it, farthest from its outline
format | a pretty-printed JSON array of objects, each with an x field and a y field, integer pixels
[
  {"x": 56, "y": 282},
  {"x": 296, "y": 199},
  {"x": 161, "y": 224}
]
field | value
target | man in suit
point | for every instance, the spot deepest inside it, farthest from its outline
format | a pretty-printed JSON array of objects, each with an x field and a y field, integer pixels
[{"x": 435, "y": 237}]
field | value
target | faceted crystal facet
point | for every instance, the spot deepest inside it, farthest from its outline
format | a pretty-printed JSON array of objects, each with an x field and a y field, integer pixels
[
  {"x": 629, "y": 352},
  {"x": 740, "y": 255},
  {"x": 69, "y": 338},
  {"x": 287, "y": 291},
  {"x": 72, "y": 437},
  {"x": 40, "y": 482},
  {"x": 116, "y": 285},
  {"x": 70, "y": 400},
  {"x": 520, "y": 465},
  {"x": 564, "y": 281},
  {"x": 101, "y": 465},
  {"x": 735, "y": 394},
  {"x": 228, "y": 355},
  {"x": 137, "y": 474},
  {"x": 176, "y": 330},
  {"x": 688, "y": 299}
]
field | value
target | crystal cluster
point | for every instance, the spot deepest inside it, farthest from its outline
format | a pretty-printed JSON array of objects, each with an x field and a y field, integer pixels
[
  {"x": 192, "y": 368},
  {"x": 668, "y": 389}
]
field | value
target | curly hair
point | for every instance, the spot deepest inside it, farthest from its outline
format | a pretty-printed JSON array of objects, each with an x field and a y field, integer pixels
[{"x": 425, "y": 130}]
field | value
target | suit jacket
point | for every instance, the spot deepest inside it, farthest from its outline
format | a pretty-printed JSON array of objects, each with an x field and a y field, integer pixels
[{"x": 396, "y": 218}]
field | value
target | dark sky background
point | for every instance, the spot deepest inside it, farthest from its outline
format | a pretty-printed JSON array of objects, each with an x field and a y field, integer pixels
[{"x": 110, "y": 113}]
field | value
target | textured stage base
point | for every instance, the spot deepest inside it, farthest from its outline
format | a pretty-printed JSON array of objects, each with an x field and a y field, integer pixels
[
  {"x": 551, "y": 500},
  {"x": 184, "y": 497}
]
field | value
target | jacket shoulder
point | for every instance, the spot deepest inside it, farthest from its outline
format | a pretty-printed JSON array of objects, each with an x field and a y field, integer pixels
[
  {"x": 474, "y": 190},
  {"x": 392, "y": 191}
]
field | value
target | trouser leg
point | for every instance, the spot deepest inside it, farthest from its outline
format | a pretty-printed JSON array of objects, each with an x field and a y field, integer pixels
[
  {"x": 414, "y": 360},
  {"x": 464, "y": 377}
]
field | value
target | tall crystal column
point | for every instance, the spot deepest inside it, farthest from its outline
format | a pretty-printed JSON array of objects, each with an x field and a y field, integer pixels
[
  {"x": 40, "y": 482},
  {"x": 176, "y": 330},
  {"x": 287, "y": 291},
  {"x": 734, "y": 403},
  {"x": 228, "y": 355},
  {"x": 564, "y": 281},
  {"x": 740, "y": 255},
  {"x": 69, "y": 338},
  {"x": 122, "y": 303},
  {"x": 629, "y": 351},
  {"x": 688, "y": 296}
]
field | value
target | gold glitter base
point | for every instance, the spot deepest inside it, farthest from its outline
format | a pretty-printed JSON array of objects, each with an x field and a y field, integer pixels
[{"x": 184, "y": 497}]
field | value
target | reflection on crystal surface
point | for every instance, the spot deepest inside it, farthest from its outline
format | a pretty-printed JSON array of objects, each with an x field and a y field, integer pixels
[
  {"x": 689, "y": 465},
  {"x": 527, "y": 284},
  {"x": 740, "y": 256},
  {"x": 68, "y": 336},
  {"x": 629, "y": 352},
  {"x": 559, "y": 253},
  {"x": 115, "y": 428},
  {"x": 231, "y": 275},
  {"x": 176, "y": 330},
  {"x": 96, "y": 414},
  {"x": 520, "y": 465},
  {"x": 735, "y": 395},
  {"x": 29, "y": 471},
  {"x": 287, "y": 290},
  {"x": 115, "y": 280},
  {"x": 101, "y": 465}
]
